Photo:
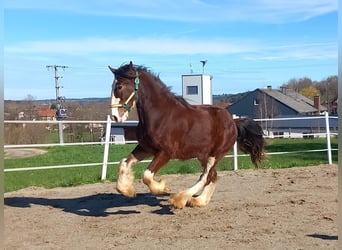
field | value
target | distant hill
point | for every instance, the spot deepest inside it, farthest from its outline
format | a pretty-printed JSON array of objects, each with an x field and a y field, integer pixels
[
  {"x": 223, "y": 98},
  {"x": 229, "y": 98},
  {"x": 88, "y": 99}
]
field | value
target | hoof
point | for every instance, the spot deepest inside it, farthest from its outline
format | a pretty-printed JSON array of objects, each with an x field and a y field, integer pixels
[
  {"x": 159, "y": 187},
  {"x": 166, "y": 189},
  {"x": 178, "y": 200},
  {"x": 128, "y": 192},
  {"x": 196, "y": 202}
]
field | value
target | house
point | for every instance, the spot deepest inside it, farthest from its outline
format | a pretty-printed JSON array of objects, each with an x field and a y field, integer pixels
[
  {"x": 284, "y": 103},
  {"x": 272, "y": 103},
  {"x": 333, "y": 107},
  {"x": 121, "y": 133},
  {"x": 21, "y": 115},
  {"x": 47, "y": 114}
]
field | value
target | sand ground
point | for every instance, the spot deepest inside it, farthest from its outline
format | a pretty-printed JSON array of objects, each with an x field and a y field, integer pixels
[{"x": 292, "y": 208}]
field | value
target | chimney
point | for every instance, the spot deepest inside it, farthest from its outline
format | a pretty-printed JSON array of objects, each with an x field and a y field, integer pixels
[
  {"x": 317, "y": 103},
  {"x": 269, "y": 87},
  {"x": 283, "y": 90}
]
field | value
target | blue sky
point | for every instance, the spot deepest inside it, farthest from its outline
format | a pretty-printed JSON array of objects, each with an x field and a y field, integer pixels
[{"x": 247, "y": 44}]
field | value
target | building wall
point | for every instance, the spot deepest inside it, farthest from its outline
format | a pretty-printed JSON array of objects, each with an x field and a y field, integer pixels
[
  {"x": 259, "y": 105},
  {"x": 196, "y": 89}
]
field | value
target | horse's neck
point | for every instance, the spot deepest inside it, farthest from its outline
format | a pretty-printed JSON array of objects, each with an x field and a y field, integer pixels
[
  {"x": 153, "y": 99},
  {"x": 156, "y": 90}
]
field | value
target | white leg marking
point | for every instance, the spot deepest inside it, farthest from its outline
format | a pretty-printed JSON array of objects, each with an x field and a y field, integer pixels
[
  {"x": 203, "y": 179},
  {"x": 203, "y": 199},
  {"x": 156, "y": 187},
  {"x": 126, "y": 178},
  {"x": 148, "y": 176},
  {"x": 179, "y": 200}
]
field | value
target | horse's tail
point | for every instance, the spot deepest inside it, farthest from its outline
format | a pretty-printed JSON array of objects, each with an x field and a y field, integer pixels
[{"x": 250, "y": 139}]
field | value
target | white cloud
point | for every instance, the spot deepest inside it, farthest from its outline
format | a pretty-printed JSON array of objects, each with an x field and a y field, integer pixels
[
  {"x": 268, "y": 11},
  {"x": 304, "y": 51},
  {"x": 247, "y": 48}
]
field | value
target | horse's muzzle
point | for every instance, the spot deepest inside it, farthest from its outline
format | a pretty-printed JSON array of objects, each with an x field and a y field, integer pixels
[
  {"x": 119, "y": 114},
  {"x": 115, "y": 119}
]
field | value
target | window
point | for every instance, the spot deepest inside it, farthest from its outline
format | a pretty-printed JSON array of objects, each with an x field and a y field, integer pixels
[
  {"x": 192, "y": 90},
  {"x": 256, "y": 102}
]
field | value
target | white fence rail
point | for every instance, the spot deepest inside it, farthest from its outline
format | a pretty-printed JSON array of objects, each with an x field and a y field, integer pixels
[{"x": 327, "y": 134}]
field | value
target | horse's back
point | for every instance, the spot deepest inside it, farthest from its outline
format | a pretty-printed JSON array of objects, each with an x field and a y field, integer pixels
[
  {"x": 204, "y": 131},
  {"x": 223, "y": 128}
]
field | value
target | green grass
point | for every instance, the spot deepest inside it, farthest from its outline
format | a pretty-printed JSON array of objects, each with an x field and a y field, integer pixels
[{"x": 61, "y": 155}]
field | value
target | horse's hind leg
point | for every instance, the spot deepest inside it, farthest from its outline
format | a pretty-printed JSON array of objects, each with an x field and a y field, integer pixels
[
  {"x": 204, "y": 198},
  {"x": 185, "y": 197}
]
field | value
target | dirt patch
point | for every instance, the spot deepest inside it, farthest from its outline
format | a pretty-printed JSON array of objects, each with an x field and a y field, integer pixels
[
  {"x": 23, "y": 152},
  {"x": 251, "y": 209}
]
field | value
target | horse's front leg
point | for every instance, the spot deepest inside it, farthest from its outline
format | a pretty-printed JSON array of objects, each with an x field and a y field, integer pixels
[
  {"x": 156, "y": 187},
  {"x": 125, "y": 183}
]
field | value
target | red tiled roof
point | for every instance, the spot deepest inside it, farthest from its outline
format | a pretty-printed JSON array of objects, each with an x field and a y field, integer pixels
[{"x": 47, "y": 113}]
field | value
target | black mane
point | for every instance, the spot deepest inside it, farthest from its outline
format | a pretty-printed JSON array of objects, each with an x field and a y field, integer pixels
[{"x": 124, "y": 71}]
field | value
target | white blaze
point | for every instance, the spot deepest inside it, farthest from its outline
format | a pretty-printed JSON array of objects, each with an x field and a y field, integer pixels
[{"x": 118, "y": 114}]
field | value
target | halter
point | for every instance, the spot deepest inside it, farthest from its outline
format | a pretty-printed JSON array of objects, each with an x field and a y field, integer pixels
[{"x": 125, "y": 104}]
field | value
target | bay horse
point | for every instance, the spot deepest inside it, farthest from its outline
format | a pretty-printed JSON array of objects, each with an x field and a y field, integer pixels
[{"x": 170, "y": 128}]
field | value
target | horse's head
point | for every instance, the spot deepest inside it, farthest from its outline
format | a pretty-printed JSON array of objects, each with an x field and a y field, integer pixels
[{"x": 123, "y": 91}]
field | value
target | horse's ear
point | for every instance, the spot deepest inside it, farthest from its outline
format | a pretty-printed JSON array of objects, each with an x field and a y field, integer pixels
[
  {"x": 112, "y": 69},
  {"x": 131, "y": 64}
]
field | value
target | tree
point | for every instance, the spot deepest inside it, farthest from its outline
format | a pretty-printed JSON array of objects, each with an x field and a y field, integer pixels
[
  {"x": 328, "y": 88},
  {"x": 298, "y": 84},
  {"x": 30, "y": 107},
  {"x": 310, "y": 92}
]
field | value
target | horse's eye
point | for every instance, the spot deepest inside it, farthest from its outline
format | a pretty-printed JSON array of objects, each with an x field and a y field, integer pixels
[{"x": 118, "y": 87}]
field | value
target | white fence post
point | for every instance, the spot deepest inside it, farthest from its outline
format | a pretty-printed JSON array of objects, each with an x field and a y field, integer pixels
[
  {"x": 327, "y": 125},
  {"x": 60, "y": 132},
  {"x": 235, "y": 150},
  {"x": 235, "y": 157},
  {"x": 106, "y": 148}
]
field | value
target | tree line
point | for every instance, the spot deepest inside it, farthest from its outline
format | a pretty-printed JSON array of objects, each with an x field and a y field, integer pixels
[
  {"x": 99, "y": 109},
  {"x": 327, "y": 88}
]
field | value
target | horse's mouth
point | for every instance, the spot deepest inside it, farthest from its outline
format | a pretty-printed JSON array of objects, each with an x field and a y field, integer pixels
[
  {"x": 119, "y": 111},
  {"x": 119, "y": 117}
]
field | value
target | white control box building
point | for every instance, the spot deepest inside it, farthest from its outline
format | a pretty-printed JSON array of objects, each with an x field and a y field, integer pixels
[{"x": 197, "y": 89}]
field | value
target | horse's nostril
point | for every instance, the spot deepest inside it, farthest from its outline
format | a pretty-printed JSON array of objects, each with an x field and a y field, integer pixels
[{"x": 114, "y": 118}]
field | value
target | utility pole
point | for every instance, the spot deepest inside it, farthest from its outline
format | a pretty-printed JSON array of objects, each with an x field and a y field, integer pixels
[{"x": 59, "y": 99}]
